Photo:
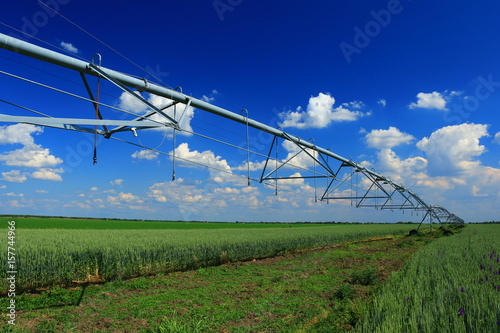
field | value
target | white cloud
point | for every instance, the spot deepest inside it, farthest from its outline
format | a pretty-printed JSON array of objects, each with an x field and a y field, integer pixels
[
  {"x": 48, "y": 174},
  {"x": 13, "y": 176},
  {"x": 320, "y": 113},
  {"x": 433, "y": 100},
  {"x": 451, "y": 149},
  {"x": 15, "y": 204},
  {"x": 301, "y": 160},
  {"x": 293, "y": 181},
  {"x": 397, "y": 168},
  {"x": 127, "y": 198},
  {"x": 354, "y": 104},
  {"x": 438, "y": 183},
  {"x": 160, "y": 198},
  {"x": 497, "y": 138},
  {"x": 130, "y": 103},
  {"x": 475, "y": 192},
  {"x": 94, "y": 189},
  {"x": 69, "y": 47},
  {"x": 388, "y": 138},
  {"x": 208, "y": 99},
  {"x": 227, "y": 190},
  {"x": 77, "y": 204},
  {"x": 451, "y": 162},
  {"x": 145, "y": 154},
  {"x": 382, "y": 101},
  {"x": 254, "y": 166},
  {"x": 3, "y": 186},
  {"x": 11, "y": 194},
  {"x": 42, "y": 191},
  {"x": 219, "y": 169},
  {"x": 116, "y": 182},
  {"x": 30, "y": 155},
  {"x": 210, "y": 199},
  {"x": 19, "y": 133}
]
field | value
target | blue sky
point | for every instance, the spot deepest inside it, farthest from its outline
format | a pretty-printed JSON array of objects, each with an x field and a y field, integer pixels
[{"x": 408, "y": 88}]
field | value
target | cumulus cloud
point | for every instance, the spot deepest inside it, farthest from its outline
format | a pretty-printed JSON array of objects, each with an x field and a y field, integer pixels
[
  {"x": 208, "y": 99},
  {"x": 48, "y": 174},
  {"x": 302, "y": 159},
  {"x": 121, "y": 198},
  {"x": 397, "y": 168},
  {"x": 69, "y": 47},
  {"x": 33, "y": 156},
  {"x": 19, "y": 133},
  {"x": 354, "y": 105},
  {"x": 219, "y": 169},
  {"x": 388, "y": 138},
  {"x": 186, "y": 197},
  {"x": 452, "y": 149},
  {"x": 211, "y": 199},
  {"x": 450, "y": 161},
  {"x": 116, "y": 182},
  {"x": 130, "y": 103},
  {"x": 13, "y": 176},
  {"x": 145, "y": 154},
  {"x": 437, "y": 183},
  {"x": 433, "y": 100},
  {"x": 12, "y": 194},
  {"x": 382, "y": 101},
  {"x": 77, "y": 204},
  {"x": 30, "y": 155},
  {"x": 227, "y": 190},
  {"x": 320, "y": 113},
  {"x": 211, "y": 97},
  {"x": 254, "y": 166},
  {"x": 497, "y": 138}
]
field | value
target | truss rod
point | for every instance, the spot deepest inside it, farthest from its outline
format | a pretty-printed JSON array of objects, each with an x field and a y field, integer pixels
[
  {"x": 209, "y": 166},
  {"x": 37, "y": 52},
  {"x": 74, "y": 95},
  {"x": 74, "y": 121}
]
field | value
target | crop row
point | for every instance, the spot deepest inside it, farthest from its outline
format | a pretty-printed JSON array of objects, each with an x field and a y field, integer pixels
[
  {"x": 49, "y": 257},
  {"x": 451, "y": 285}
]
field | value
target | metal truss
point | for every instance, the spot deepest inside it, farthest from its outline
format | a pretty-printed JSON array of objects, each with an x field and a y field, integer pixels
[{"x": 346, "y": 180}]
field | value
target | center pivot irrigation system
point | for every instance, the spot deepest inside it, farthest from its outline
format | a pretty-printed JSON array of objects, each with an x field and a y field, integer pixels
[{"x": 373, "y": 190}]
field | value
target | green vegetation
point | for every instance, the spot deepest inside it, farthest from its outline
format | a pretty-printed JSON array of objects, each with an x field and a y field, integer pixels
[
  {"x": 138, "y": 276},
  {"x": 308, "y": 291},
  {"x": 48, "y": 257},
  {"x": 366, "y": 276},
  {"x": 110, "y": 224},
  {"x": 450, "y": 285}
]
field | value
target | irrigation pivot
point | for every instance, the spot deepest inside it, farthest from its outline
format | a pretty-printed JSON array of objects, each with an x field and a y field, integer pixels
[{"x": 378, "y": 191}]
